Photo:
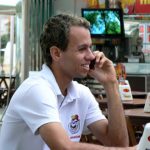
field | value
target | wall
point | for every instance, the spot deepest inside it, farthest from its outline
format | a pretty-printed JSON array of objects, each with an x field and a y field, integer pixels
[{"x": 71, "y": 6}]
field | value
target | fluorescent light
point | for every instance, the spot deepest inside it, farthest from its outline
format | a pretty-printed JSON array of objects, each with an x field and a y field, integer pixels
[{"x": 9, "y": 2}]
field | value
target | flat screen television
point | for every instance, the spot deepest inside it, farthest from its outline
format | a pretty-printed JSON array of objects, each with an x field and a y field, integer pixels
[{"x": 105, "y": 23}]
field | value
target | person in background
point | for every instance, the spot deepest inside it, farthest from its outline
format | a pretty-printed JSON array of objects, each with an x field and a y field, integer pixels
[{"x": 51, "y": 111}]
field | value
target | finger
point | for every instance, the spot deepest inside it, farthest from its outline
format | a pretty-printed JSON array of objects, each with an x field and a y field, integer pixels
[
  {"x": 99, "y": 56},
  {"x": 102, "y": 61}
]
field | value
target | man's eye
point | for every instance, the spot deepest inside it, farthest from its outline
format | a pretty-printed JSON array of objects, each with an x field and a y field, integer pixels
[{"x": 82, "y": 49}]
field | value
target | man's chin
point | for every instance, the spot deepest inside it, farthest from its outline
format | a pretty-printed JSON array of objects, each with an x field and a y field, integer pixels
[{"x": 82, "y": 76}]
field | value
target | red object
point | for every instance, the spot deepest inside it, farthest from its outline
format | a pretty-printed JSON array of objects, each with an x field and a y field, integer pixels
[
  {"x": 141, "y": 29},
  {"x": 142, "y": 6},
  {"x": 126, "y": 90},
  {"x": 139, "y": 7},
  {"x": 148, "y": 138}
]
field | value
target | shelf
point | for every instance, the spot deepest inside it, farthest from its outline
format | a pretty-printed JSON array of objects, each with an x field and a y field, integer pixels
[{"x": 138, "y": 17}]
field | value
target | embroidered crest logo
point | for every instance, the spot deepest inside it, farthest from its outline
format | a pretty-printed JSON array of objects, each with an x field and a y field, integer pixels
[{"x": 74, "y": 125}]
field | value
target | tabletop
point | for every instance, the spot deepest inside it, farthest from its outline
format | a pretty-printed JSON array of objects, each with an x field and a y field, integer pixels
[
  {"x": 138, "y": 113},
  {"x": 127, "y": 104}
]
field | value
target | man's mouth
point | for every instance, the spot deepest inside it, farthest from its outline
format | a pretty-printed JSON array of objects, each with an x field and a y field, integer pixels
[{"x": 85, "y": 66}]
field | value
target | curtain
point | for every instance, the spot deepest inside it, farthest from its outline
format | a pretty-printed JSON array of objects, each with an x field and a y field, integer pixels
[{"x": 39, "y": 12}]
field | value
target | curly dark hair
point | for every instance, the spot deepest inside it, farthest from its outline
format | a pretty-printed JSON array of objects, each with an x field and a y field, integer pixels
[{"x": 56, "y": 33}]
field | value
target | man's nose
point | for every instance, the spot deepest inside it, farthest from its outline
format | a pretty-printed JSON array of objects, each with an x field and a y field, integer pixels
[{"x": 91, "y": 54}]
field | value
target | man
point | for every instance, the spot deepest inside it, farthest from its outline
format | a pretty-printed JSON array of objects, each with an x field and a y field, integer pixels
[{"x": 50, "y": 110}]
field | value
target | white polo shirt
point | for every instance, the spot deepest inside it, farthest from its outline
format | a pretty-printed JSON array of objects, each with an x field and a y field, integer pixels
[{"x": 38, "y": 101}]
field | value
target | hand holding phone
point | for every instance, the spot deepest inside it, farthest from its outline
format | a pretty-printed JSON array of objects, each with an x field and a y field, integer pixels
[{"x": 92, "y": 64}]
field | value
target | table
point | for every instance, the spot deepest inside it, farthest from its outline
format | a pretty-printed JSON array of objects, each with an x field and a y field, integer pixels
[
  {"x": 3, "y": 97},
  {"x": 127, "y": 104},
  {"x": 137, "y": 94},
  {"x": 7, "y": 88},
  {"x": 4, "y": 80},
  {"x": 136, "y": 119},
  {"x": 138, "y": 115}
]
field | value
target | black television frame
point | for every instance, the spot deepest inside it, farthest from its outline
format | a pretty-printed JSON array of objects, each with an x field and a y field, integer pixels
[{"x": 107, "y": 36}]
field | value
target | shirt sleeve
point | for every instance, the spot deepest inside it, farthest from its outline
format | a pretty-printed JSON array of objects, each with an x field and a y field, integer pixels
[{"x": 38, "y": 107}]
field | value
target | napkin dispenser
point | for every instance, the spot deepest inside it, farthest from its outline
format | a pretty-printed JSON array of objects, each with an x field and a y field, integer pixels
[
  {"x": 147, "y": 103},
  {"x": 125, "y": 90},
  {"x": 144, "y": 143}
]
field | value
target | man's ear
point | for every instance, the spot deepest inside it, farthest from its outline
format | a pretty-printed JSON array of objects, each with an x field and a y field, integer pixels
[{"x": 55, "y": 53}]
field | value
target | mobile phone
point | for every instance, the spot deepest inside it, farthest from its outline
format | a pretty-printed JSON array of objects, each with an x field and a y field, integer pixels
[{"x": 92, "y": 64}]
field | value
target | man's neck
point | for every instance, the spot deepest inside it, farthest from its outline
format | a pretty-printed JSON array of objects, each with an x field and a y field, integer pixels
[{"x": 62, "y": 81}]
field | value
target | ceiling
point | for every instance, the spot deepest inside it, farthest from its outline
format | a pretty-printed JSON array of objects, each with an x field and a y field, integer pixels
[{"x": 7, "y": 9}]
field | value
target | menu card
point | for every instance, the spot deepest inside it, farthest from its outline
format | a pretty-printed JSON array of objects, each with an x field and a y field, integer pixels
[{"x": 124, "y": 86}]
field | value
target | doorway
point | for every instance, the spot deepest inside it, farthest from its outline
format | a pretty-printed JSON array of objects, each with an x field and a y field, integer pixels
[{"x": 7, "y": 54}]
